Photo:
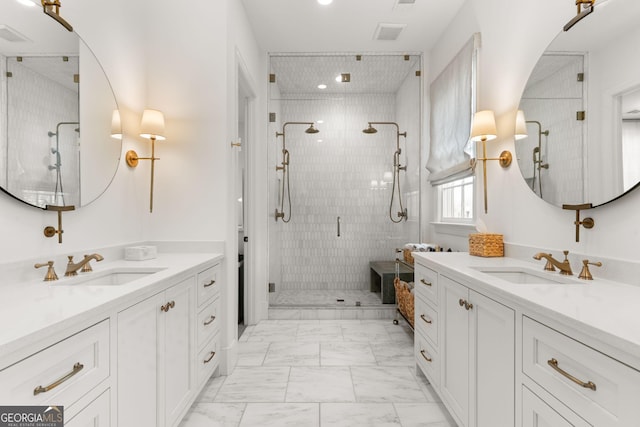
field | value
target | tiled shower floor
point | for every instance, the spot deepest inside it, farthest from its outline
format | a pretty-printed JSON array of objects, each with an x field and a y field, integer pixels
[
  {"x": 323, "y": 298},
  {"x": 329, "y": 304}
]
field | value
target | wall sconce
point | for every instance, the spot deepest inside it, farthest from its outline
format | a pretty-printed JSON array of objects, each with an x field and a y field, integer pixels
[
  {"x": 483, "y": 129},
  {"x": 116, "y": 125},
  {"x": 521, "y": 126},
  {"x": 151, "y": 127}
]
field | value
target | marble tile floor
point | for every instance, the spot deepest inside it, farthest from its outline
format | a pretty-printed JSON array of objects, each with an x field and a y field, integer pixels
[{"x": 321, "y": 373}]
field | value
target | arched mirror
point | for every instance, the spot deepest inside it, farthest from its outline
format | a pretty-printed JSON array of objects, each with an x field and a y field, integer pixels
[
  {"x": 56, "y": 108},
  {"x": 582, "y": 108}
]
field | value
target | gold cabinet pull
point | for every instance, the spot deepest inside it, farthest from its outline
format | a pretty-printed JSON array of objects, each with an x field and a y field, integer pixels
[
  {"x": 554, "y": 364},
  {"x": 210, "y": 283},
  {"x": 208, "y": 359},
  {"x": 466, "y": 304},
  {"x": 76, "y": 368},
  {"x": 425, "y": 319},
  {"x": 210, "y": 321},
  {"x": 168, "y": 306},
  {"x": 424, "y": 354},
  {"x": 424, "y": 282}
]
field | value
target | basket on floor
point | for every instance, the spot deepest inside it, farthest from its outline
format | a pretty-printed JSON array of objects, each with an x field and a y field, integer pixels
[{"x": 404, "y": 298}]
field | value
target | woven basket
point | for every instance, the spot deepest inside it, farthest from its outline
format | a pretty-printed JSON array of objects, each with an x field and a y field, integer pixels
[
  {"x": 407, "y": 256},
  {"x": 486, "y": 245},
  {"x": 405, "y": 300}
]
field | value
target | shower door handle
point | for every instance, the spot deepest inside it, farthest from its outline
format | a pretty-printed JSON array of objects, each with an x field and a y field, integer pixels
[{"x": 338, "y": 223}]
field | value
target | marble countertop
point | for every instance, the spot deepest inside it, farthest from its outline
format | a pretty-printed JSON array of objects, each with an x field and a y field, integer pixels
[
  {"x": 33, "y": 309},
  {"x": 604, "y": 310}
]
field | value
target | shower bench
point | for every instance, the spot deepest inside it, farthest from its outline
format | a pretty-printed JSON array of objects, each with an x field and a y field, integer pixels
[{"x": 382, "y": 275}]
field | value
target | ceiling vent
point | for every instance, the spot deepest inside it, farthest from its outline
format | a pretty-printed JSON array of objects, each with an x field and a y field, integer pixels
[
  {"x": 388, "y": 31},
  {"x": 401, "y": 2},
  {"x": 9, "y": 34}
]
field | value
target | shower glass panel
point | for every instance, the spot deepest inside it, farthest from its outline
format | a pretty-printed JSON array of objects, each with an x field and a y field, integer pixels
[
  {"x": 339, "y": 180},
  {"x": 550, "y": 101}
]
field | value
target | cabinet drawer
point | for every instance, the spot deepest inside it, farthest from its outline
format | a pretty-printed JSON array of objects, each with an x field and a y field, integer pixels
[
  {"x": 208, "y": 359},
  {"x": 95, "y": 414},
  {"x": 427, "y": 359},
  {"x": 208, "y": 322},
  {"x": 60, "y": 374},
  {"x": 208, "y": 284},
  {"x": 537, "y": 413},
  {"x": 426, "y": 320},
  {"x": 600, "y": 389},
  {"x": 426, "y": 283}
]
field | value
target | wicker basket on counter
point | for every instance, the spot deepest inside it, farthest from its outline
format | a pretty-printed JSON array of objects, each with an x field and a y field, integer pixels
[
  {"x": 404, "y": 298},
  {"x": 486, "y": 245}
]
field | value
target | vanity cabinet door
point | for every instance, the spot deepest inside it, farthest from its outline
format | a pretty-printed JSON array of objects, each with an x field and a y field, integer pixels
[
  {"x": 156, "y": 346},
  {"x": 177, "y": 345},
  {"x": 456, "y": 359},
  {"x": 494, "y": 348},
  {"x": 478, "y": 360},
  {"x": 138, "y": 363}
]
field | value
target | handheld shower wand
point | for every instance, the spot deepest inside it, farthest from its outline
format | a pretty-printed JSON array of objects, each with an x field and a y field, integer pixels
[
  {"x": 286, "y": 189},
  {"x": 397, "y": 167}
]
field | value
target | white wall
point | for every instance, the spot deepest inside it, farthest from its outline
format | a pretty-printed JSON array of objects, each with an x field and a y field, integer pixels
[{"x": 513, "y": 38}]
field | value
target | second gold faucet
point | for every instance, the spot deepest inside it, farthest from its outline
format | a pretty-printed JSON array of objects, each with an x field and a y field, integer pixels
[
  {"x": 72, "y": 268},
  {"x": 564, "y": 266}
]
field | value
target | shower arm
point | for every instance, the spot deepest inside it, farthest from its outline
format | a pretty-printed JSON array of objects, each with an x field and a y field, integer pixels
[{"x": 398, "y": 133}]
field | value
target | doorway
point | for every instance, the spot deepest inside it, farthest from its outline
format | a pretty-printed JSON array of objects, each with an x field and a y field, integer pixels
[{"x": 245, "y": 104}]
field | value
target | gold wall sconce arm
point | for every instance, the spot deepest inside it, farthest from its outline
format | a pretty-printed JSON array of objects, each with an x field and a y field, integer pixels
[
  {"x": 483, "y": 129},
  {"x": 152, "y": 128},
  {"x": 51, "y": 231},
  {"x": 52, "y": 9},
  {"x": 587, "y": 223}
]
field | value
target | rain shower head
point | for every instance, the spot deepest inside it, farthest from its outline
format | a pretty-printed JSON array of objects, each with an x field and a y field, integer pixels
[
  {"x": 370, "y": 129},
  {"x": 311, "y": 129}
]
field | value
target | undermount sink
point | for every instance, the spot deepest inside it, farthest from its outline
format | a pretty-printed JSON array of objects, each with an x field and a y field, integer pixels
[
  {"x": 112, "y": 277},
  {"x": 524, "y": 276}
]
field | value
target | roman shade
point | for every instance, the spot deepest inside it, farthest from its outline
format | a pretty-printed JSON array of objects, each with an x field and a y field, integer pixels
[{"x": 453, "y": 103}]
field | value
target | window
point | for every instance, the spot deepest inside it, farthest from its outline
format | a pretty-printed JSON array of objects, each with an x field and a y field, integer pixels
[{"x": 455, "y": 201}]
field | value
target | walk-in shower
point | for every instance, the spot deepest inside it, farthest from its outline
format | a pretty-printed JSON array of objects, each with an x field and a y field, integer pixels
[
  {"x": 341, "y": 181},
  {"x": 397, "y": 167},
  {"x": 285, "y": 192}
]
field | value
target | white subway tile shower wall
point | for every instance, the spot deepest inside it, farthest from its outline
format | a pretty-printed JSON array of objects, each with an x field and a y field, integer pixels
[{"x": 331, "y": 176}]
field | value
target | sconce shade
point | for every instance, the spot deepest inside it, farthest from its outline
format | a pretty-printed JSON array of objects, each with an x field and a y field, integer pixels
[
  {"x": 484, "y": 126},
  {"x": 116, "y": 125},
  {"x": 521, "y": 126},
  {"x": 152, "y": 125}
]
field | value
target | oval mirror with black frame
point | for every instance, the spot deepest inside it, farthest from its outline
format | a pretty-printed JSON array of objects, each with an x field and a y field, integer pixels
[
  {"x": 582, "y": 109},
  {"x": 56, "y": 108}
]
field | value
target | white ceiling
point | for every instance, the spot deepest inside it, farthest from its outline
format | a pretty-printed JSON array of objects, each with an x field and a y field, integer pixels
[{"x": 347, "y": 25}]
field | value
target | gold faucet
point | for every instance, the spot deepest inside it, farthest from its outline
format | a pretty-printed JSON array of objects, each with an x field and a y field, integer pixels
[
  {"x": 585, "y": 273},
  {"x": 564, "y": 266},
  {"x": 72, "y": 269},
  {"x": 51, "y": 273}
]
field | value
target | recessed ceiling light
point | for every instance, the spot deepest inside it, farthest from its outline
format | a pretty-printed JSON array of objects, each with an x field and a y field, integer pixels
[
  {"x": 323, "y": 86},
  {"x": 325, "y": 2},
  {"x": 26, "y": 2}
]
